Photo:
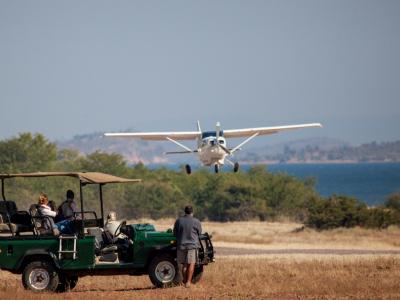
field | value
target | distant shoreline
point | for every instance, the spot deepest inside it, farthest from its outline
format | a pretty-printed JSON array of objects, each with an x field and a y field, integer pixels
[
  {"x": 314, "y": 162},
  {"x": 297, "y": 162}
]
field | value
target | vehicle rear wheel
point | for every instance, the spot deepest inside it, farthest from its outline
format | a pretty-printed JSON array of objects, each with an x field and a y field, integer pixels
[
  {"x": 40, "y": 276},
  {"x": 163, "y": 271},
  {"x": 67, "y": 283},
  {"x": 197, "y": 274}
]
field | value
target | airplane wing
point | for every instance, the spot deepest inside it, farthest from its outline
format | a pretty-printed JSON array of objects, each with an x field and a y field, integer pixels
[
  {"x": 159, "y": 136},
  {"x": 234, "y": 133}
]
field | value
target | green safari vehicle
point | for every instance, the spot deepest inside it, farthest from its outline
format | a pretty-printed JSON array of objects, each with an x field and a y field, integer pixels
[{"x": 49, "y": 261}]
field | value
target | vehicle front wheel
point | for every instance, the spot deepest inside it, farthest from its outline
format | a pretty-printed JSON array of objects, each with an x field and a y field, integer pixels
[
  {"x": 163, "y": 271},
  {"x": 40, "y": 276}
]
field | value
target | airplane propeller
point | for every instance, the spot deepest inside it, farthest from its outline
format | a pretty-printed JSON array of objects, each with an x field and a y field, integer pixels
[{"x": 217, "y": 135}]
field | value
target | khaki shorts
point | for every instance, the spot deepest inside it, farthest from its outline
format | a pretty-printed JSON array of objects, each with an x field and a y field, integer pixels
[{"x": 186, "y": 256}]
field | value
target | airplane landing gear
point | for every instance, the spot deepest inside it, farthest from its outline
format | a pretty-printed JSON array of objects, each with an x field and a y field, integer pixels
[
  {"x": 188, "y": 169},
  {"x": 236, "y": 167},
  {"x": 216, "y": 168}
]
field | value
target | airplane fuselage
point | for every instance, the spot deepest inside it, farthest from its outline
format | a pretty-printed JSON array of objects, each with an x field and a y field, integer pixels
[{"x": 210, "y": 153}]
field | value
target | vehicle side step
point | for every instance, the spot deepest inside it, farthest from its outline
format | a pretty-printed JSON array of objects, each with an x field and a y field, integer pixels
[{"x": 64, "y": 250}]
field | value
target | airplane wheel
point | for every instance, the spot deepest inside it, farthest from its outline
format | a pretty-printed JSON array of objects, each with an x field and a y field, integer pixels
[
  {"x": 236, "y": 167},
  {"x": 188, "y": 169},
  {"x": 216, "y": 168}
]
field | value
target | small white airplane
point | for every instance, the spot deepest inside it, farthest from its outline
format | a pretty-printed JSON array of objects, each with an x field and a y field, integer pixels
[{"x": 211, "y": 145}]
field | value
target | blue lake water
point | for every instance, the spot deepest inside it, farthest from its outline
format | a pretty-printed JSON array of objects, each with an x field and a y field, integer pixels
[{"x": 369, "y": 182}]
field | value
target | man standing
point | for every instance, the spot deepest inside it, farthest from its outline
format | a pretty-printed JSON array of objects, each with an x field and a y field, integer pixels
[{"x": 187, "y": 231}]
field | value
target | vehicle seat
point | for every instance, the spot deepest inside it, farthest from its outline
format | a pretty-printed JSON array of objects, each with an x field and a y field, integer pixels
[
  {"x": 44, "y": 225},
  {"x": 12, "y": 220},
  {"x": 101, "y": 247},
  {"x": 5, "y": 227}
]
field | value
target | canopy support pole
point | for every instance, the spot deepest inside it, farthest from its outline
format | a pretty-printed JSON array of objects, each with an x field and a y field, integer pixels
[
  {"x": 2, "y": 189},
  {"x": 101, "y": 204},
  {"x": 82, "y": 214}
]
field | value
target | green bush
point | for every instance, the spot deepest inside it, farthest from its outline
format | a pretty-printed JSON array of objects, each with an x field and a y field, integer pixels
[
  {"x": 336, "y": 211},
  {"x": 256, "y": 194}
]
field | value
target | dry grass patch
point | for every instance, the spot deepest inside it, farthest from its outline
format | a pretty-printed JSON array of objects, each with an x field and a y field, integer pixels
[
  {"x": 276, "y": 235},
  {"x": 377, "y": 278}
]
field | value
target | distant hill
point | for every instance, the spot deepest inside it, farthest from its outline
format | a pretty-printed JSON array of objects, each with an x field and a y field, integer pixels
[
  {"x": 324, "y": 150},
  {"x": 133, "y": 150},
  {"x": 298, "y": 151}
]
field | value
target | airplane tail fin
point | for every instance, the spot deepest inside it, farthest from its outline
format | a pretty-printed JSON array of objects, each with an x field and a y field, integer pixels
[{"x": 199, "y": 138}]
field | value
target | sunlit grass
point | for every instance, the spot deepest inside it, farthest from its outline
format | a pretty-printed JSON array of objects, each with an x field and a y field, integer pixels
[{"x": 360, "y": 278}]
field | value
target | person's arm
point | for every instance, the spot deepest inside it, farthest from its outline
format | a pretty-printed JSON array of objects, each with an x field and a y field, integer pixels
[
  {"x": 73, "y": 206},
  {"x": 46, "y": 211},
  {"x": 198, "y": 227},
  {"x": 175, "y": 231}
]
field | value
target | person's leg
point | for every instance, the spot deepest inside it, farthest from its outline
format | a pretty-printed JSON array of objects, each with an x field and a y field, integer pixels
[
  {"x": 191, "y": 261},
  {"x": 64, "y": 227},
  {"x": 184, "y": 272},
  {"x": 180, "y": 273},
  {"x": 181, "y": 258},
  {"x": 189, "y": 273}
]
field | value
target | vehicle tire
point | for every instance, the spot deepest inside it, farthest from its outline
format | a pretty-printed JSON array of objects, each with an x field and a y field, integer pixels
[
  {"x": 188, "y": 169},
  {"x": 40, "y": 276},
  {"x": 163, "y": 271},
  {"x": 66, "y": 283},
  {"x": 197, "y": 274}
]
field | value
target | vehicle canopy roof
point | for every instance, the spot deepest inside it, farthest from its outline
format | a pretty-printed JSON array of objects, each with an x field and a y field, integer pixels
[{"x": 84, "y": 177}]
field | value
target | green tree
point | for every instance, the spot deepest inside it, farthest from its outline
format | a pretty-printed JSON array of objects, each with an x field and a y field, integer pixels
[
  {"x": 103, "y": 162},
  {"x": 27, "y": 153}
]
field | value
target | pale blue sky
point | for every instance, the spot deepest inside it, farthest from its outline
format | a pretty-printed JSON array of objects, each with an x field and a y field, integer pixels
[{"x": 73, "y": 67}]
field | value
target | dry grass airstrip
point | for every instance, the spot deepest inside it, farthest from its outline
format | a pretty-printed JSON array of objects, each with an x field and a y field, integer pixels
[{"x": 268, "y": 276}]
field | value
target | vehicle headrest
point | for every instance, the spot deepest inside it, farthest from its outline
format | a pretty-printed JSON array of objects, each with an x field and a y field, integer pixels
[{"x": 8, "y": 207}]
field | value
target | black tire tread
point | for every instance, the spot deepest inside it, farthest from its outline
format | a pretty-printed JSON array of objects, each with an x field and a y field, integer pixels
[
  {"x": 54, "y": 278},
  {"x": 152, "y": 267}
]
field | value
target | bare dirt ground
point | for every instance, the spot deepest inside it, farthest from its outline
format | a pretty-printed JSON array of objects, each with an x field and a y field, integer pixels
[{"x": 257, "y": 260}]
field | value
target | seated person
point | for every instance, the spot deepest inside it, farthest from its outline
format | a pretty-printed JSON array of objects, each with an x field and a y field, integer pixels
[
  {"x": 66, "y": 214},
  {"x": 67, "y": 209},
  {"x": 45, "y": 210},
  {"x": 111, "y": 223}
]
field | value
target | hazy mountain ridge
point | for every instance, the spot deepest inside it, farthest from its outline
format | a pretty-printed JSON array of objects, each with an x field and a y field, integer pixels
[
  {"x": 133, "y": 150},
  {"x": 327, "y": 150},
  {"x": 319, "y": 149}
]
